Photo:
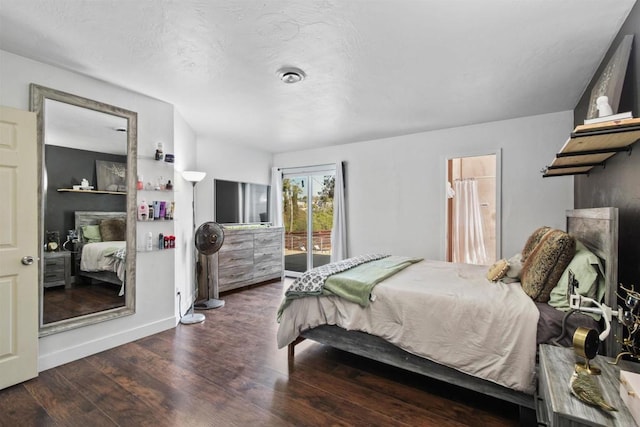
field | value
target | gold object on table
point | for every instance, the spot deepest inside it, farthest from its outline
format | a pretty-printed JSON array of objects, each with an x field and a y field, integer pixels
[
  {"x": 584, "y": 387},
  {"x": 585, "y": 344}
]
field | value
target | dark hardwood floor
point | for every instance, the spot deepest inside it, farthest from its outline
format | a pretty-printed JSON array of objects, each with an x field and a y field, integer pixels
[
  {"x": 228, "y": 372},
  {"x": 80, "y": 299}
]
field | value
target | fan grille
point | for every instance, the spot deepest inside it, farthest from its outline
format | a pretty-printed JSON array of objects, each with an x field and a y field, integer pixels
[{"x": 209, "y": 238}]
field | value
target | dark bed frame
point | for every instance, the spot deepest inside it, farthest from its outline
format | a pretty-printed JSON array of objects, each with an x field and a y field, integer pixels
[
  {"x": 597, "y": 228},
  {"x": 94, "y": 218}
]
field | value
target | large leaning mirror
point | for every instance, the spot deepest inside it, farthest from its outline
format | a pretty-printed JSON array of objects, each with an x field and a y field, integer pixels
[{"x": 87, "y": 222}]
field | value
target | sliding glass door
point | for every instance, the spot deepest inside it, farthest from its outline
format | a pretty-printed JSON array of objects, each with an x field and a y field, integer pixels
[{"x": 308, "y": 218}]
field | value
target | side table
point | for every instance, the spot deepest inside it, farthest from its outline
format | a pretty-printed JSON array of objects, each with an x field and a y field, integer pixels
[
  {"x": 57, "y": 269},
  {"x": 557, "y": 407}
]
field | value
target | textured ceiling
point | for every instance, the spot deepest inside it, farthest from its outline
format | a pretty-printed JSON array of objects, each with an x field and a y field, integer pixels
[{"x": 374, "y": 68}]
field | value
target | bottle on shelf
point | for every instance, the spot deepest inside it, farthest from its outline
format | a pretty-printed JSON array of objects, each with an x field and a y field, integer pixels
[
  {"x": 168, "y": 214},
  {"x": 143, "y": 211},
  {"x": 156, "y": 209},
  {"x": 159, "y": 152},
  {"x": 149, "y": 245}
]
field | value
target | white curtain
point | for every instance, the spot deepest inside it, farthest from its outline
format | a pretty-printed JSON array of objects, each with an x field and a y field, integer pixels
[
  {"x": 468, "y": 239},
  {"x": 275, "y": 200},
  {"x": 339, "y": 228}
]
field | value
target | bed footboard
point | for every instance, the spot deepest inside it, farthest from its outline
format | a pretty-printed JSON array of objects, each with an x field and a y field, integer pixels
[{"x": 376, "y": 348}]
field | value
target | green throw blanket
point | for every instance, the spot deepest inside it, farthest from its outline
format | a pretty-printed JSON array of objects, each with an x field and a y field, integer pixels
[
  {"x": 115, "y": 252},
  {"x": 356, "y": 283}
]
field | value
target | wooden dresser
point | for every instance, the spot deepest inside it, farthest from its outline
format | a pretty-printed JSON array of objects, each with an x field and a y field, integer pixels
[{"x": 249, "y": 256}]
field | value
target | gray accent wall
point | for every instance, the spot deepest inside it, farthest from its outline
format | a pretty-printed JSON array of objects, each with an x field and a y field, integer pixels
[
  {"x": 618, "y": 184},
  {"x": 67, "y": 167}
]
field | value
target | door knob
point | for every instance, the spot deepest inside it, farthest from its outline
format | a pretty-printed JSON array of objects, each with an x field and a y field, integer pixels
[{"x": 27, "y": 260}]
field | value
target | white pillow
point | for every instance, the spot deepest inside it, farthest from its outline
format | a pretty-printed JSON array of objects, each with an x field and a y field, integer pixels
[{"x": 515, "y": 266}]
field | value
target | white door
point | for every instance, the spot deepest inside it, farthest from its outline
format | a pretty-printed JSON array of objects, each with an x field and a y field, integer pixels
[{"x": 18, "y": 242}]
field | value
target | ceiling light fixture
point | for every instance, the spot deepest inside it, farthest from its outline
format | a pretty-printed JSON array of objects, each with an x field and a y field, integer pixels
[{"x": 291, "y": 75}]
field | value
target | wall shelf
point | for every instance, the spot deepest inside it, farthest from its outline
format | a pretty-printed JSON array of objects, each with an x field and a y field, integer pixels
[
  {"x": 592, "y": 145},
  {"x": 155, "y": 250},
  {"x": 163, "y": 161},
  {"x": 71, "y": 190}
]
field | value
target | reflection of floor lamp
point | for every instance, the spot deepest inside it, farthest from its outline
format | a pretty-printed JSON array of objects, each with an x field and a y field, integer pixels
[{"x": 193, "y": 177}]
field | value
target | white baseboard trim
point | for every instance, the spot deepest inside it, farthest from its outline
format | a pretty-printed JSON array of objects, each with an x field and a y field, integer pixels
[{"x": 87, "y": 348}]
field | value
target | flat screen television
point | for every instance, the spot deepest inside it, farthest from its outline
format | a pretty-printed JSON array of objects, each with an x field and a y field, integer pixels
[{"x": 241, "y": 202}]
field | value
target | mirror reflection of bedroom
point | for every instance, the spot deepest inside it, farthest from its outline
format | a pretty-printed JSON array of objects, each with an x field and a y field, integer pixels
[{"x": 84, "y": 211}]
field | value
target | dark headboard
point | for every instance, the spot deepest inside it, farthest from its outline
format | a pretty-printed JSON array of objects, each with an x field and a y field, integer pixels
[
  {"x": 597, "y": 228},
  {"x": 94, "y": 218}
]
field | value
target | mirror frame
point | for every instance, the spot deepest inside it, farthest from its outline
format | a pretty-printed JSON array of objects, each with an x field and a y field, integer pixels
[{"x": 38, "y": 94}]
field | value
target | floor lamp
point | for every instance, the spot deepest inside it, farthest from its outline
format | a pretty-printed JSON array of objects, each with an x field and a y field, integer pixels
[{"x": 193, "y": 177}]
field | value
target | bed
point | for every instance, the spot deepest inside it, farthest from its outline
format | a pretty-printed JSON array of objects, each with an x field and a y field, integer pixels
[
  {"x": 514, "y": 380},
  {"x": 102, "y": 246}
]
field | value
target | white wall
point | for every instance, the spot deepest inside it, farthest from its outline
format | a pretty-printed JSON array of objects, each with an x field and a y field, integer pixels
[
  {"x": 155, "y": 291},
  {"x": 224, "y": 161},
  {"x": 396, "y": 186},
  {"x": 186, "y": 159},
  {"x": 395, "y": 191}
]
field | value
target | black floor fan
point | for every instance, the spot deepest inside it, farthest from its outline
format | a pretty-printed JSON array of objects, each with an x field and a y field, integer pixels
[{"x": 208, "y": 240}]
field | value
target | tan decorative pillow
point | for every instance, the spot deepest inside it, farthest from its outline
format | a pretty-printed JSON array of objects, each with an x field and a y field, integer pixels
[
  {"x": 112, "y": 229},
  {"x": 498, "y": 270},
  {"x": 533, "y": 241},
  {"x": 546, "y": 263}
]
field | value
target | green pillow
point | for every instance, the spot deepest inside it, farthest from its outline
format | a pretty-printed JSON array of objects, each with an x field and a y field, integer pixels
[
  {"x": 91, "y": 233},
  {"x": 588, "y": 271}
]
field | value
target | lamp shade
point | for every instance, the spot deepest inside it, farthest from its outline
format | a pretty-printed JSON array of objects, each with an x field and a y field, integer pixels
[{"x": 193, "y": 176}]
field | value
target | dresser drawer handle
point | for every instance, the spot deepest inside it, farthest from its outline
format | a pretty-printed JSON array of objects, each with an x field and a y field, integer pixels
[{"x": 50, "y": 274}]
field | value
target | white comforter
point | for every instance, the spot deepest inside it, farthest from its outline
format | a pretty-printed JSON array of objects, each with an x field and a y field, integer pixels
[
  {"x": 448, "y": 313},
  {"x": 93, "y": 259}
]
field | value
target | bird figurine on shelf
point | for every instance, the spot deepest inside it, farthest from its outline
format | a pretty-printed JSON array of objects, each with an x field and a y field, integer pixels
[{"x": 584, "y": 387}]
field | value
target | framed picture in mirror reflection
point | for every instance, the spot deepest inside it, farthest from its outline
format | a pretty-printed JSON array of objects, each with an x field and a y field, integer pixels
[{"x": 111, "y": 176}]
